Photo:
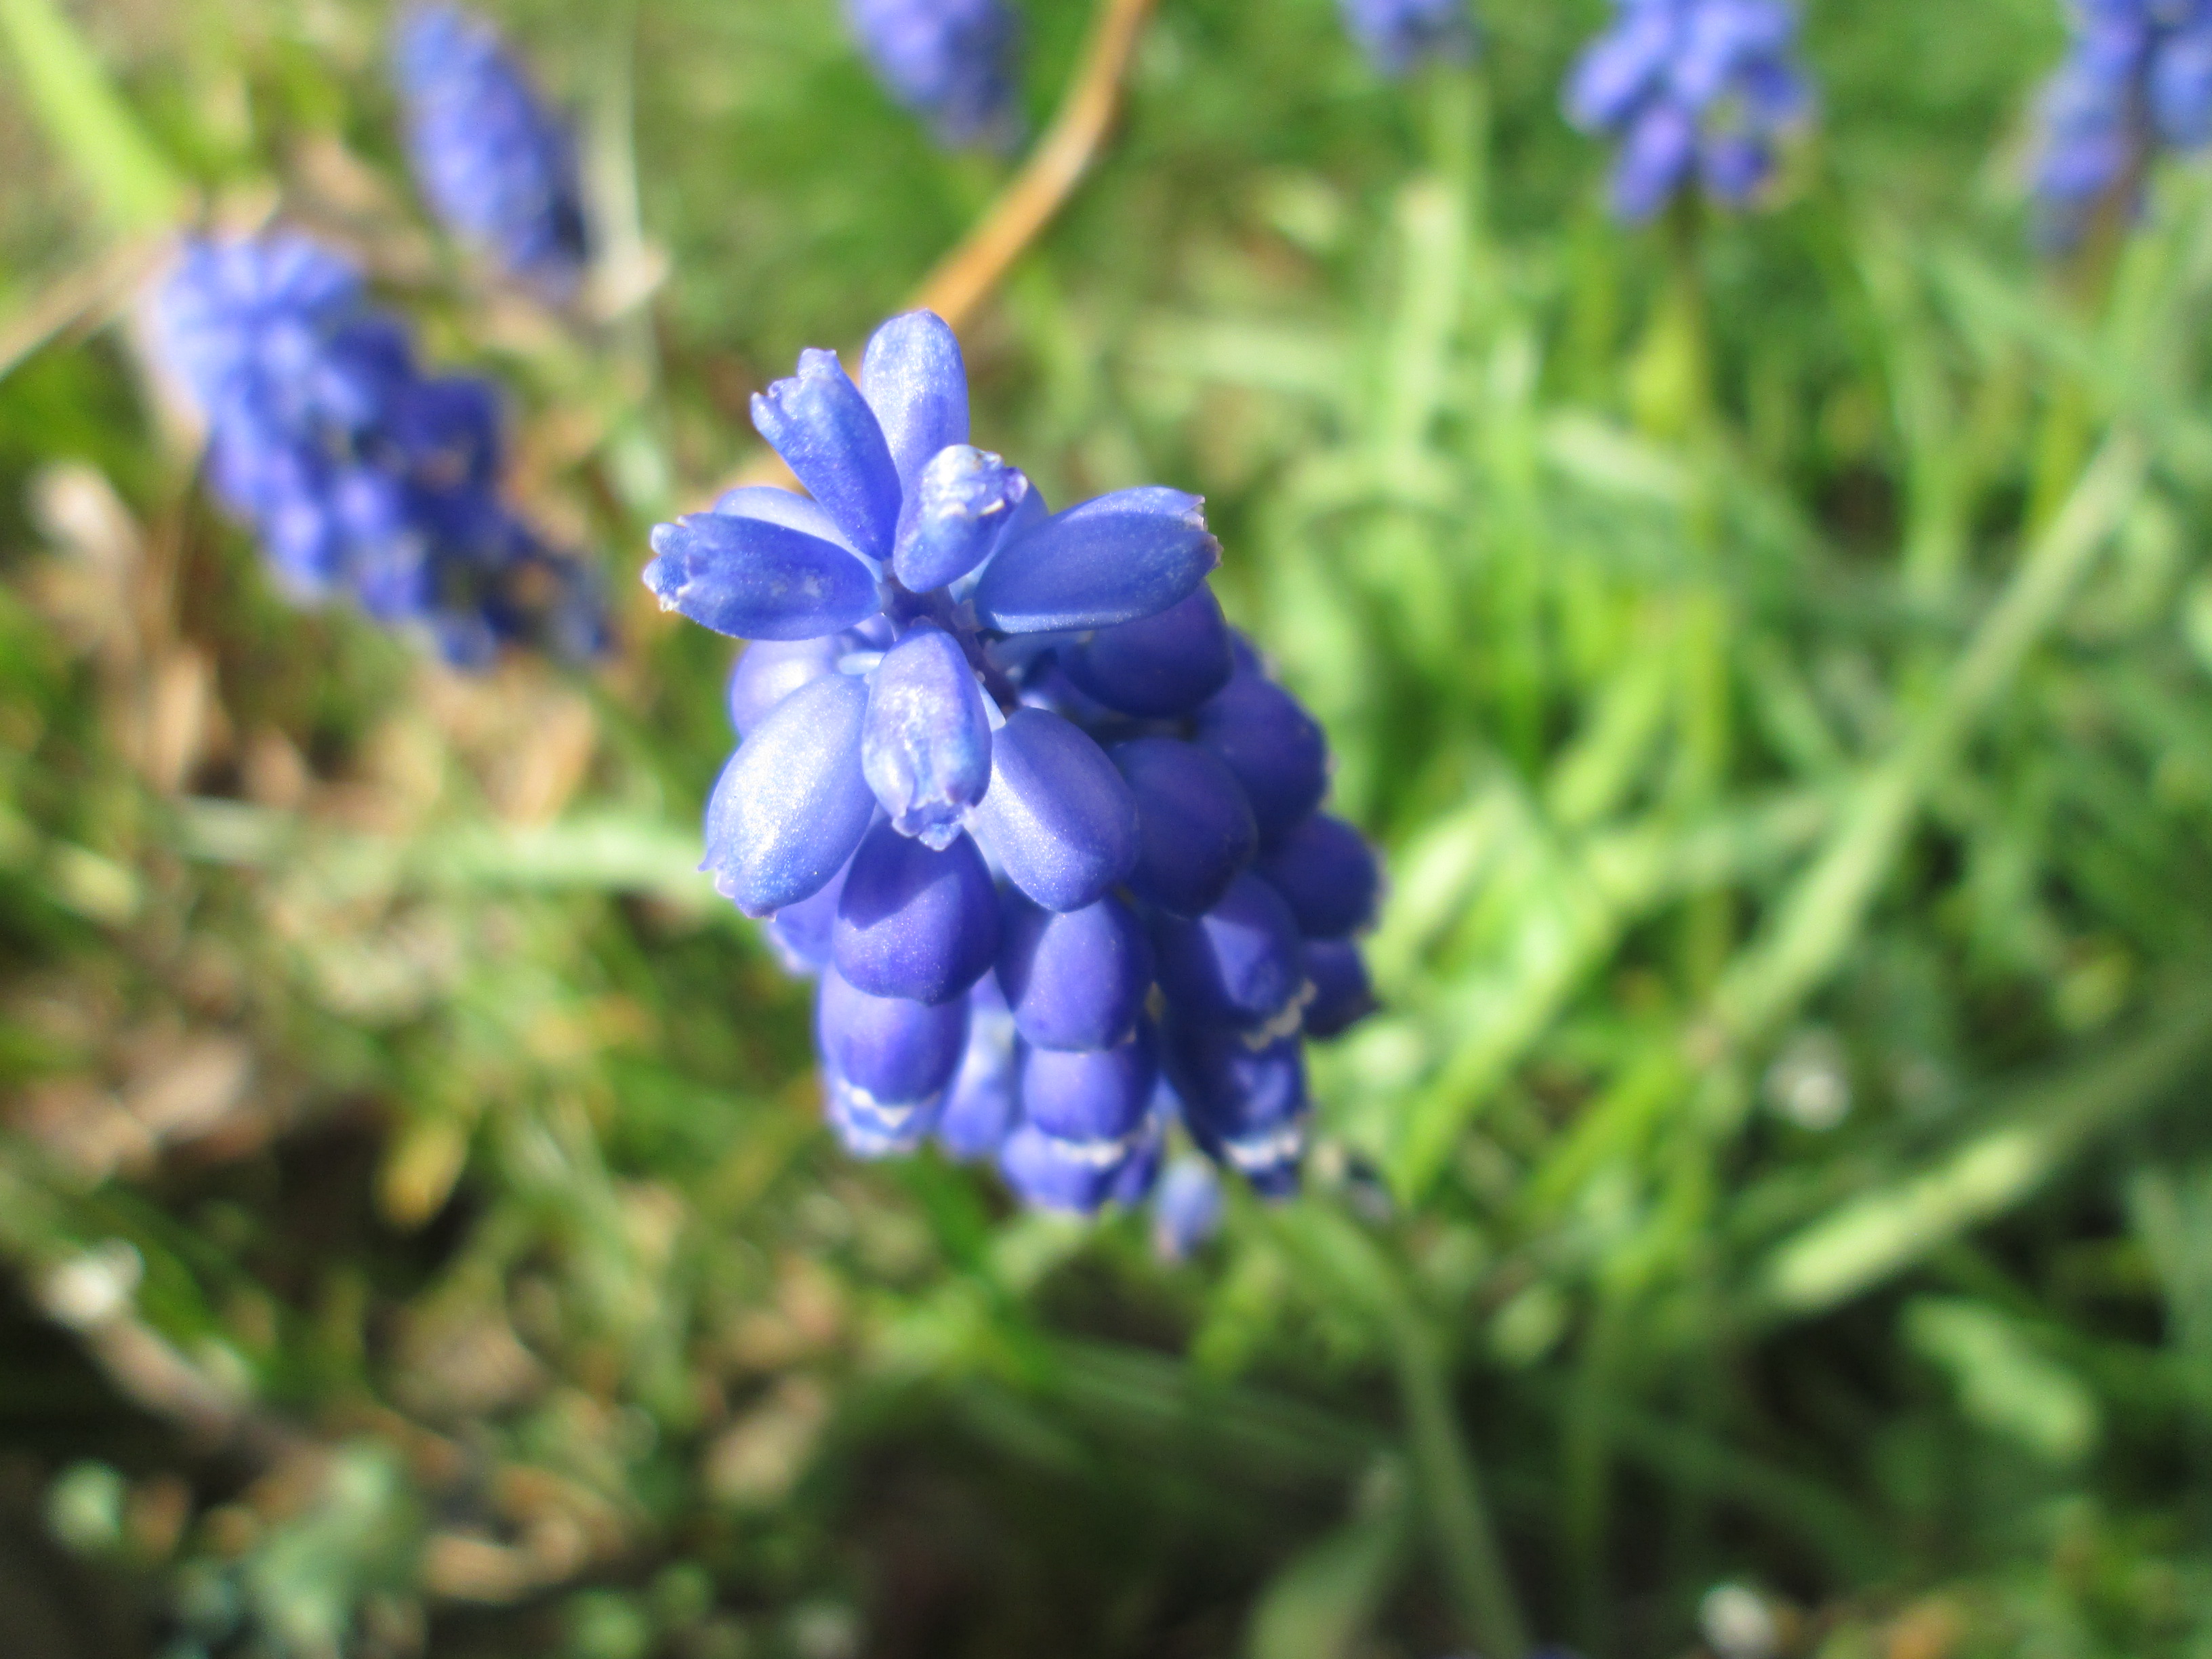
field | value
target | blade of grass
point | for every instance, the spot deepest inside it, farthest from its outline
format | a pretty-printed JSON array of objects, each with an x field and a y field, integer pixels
[
  {"x": 2029, "y": 1139},
  {"x": 87, "y": 120}
]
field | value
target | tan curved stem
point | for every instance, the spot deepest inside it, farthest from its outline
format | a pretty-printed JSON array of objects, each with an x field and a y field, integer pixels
[{"x": 1034, "y": 196}]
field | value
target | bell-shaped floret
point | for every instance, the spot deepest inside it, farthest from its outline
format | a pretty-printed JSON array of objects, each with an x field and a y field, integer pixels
[
  {"x": 1620, "y": 69},
  {"x": 1057, "y": 818},
  {"x": 1245, "y": 1107},
  {"x": 830, "y": 438},
  {"x": 755, "y": 578},
  {"x": 1327, "y": 873},
  {"x": 1343, "y": 995},
  {"x": 1127, "y": 555},
  {"x": 1274, "y": 746},
  {"x": 1076, "y": 980},
  {"x": 1237, "y": 965},
  {"x": 1140, "y": 1171},
  {"x": 1157, "y": 666},
  {"x": 886, "y": 1052},
  {"x": 915, "y": 922},
  {"x": 1195, "y": 830},
  {"x": 926, "y": 746},
  {"x": 1655, "y": 154},
  {"x": 801, "y": 933},
  {"x": 956, "y": 511},
  {"x": 914, "y": 378},
  {"x": 771, "y": 670},
  {"x": 1187, "y": 1208},
  {"x": 982, "y": 1105},
  {"x": 868, "y": 1128},
  {"x": 1097, "y": 1094},
  {"x": 1079, "y": 1178},
  {"x": 792, "y": 803}
]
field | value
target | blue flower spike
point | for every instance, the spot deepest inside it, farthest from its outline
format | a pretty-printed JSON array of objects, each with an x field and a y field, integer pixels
[
  {"x": 495, "y": 162},
  {"x": 1697, "y": 94},
  {"x": 363, "y": 477},
  {"x": 1039, "y": 819},
  {"x": 1399, "y": 36},
  {"x": 2136, "y": 81},
  {"x": 956, "y": 64}
]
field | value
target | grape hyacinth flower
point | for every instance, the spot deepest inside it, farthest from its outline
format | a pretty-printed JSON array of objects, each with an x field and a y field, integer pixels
[
  {"x": 1399, "y": 35},
  {"x": 954, "y": 62},
  {"x": 1040, "y": 821},
  {"x": 497, "y": 165},
  {"x": 1186, "y": 1210},
  {"x": 2136, "y": 79},
  {"x": 361, "y": 476},
  {"x": 1697, "y": 91}
]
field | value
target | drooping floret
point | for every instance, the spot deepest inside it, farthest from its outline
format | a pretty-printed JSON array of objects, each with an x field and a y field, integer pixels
[
  {"x": 1697, "y": 92},
  {"x": 1186, "y": 1210},
  {"x": 2137, "y": 79},
  {"x": 496, "y": 163},
  {"x": 954, "y": 62},
  {"x": 362, "y": 477},
  {"x": 1012, "y": 787},
  {"x": 1400, "y": 35}
]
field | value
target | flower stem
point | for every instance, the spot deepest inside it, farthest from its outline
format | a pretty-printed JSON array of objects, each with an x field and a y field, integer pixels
[
  {"x": 966, "y": 276},
  {"x": 1054, "y": 168}
]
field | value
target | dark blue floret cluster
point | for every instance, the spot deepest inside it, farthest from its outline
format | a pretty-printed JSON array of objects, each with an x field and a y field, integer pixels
[
  {"x": 1010, "y": 784},
  {"x": 2137, "y": 78},
  {"x": 361, "y": 475},
  {"x": 1696, "y": 91},
  {"x": 955, "y": 62},
  {"x": 496, "y": 164},
  {"x": 1399, "y": 35}
]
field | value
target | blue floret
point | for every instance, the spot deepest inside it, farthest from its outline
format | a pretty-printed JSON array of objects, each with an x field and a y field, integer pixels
[
  {"x": 1042, "y": 823},
  {"x": 1697, "y": 92}
]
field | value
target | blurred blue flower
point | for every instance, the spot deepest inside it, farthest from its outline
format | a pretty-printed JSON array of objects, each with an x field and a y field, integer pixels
[
  {"x": 955, "y": 62},
  {"x": 1012, "y": 786},
  {"x": 497, "y": 166},
  {"x": 362, "y": 477},
  {"x": 1399, "y": 35},
  {"x": 1696, "y": 91},
  {"x": 1186, "y": 1210},
  {"x": 2137, "y": 78}
]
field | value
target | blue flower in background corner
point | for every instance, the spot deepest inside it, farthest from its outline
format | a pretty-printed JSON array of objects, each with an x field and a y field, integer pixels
[
  {"x": 955, "y": 62},
  {"x": 1695, "y": 91},
  {"x": 361, "y": 476},
  {"x": 1009, "y": 782},
  {"x": 2137, "y": 78},
  {"x": 1399, "y": 35},
  {"x": 497, "y": 166}
]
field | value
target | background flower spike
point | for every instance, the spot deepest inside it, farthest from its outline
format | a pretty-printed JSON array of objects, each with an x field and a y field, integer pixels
[{"x": 495, "y": 161}]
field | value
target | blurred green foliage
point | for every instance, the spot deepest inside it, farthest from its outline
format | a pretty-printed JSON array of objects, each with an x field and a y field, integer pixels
[{"x": 1775, "y": 1203}]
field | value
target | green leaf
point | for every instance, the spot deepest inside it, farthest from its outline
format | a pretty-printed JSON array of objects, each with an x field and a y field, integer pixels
[
  {"x": 2029, "y": 1139},
  {"x": 2004, "y": 1383},
  {"x": 1320, "y": 1605},
  {"x": 87, "y": 120}
]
